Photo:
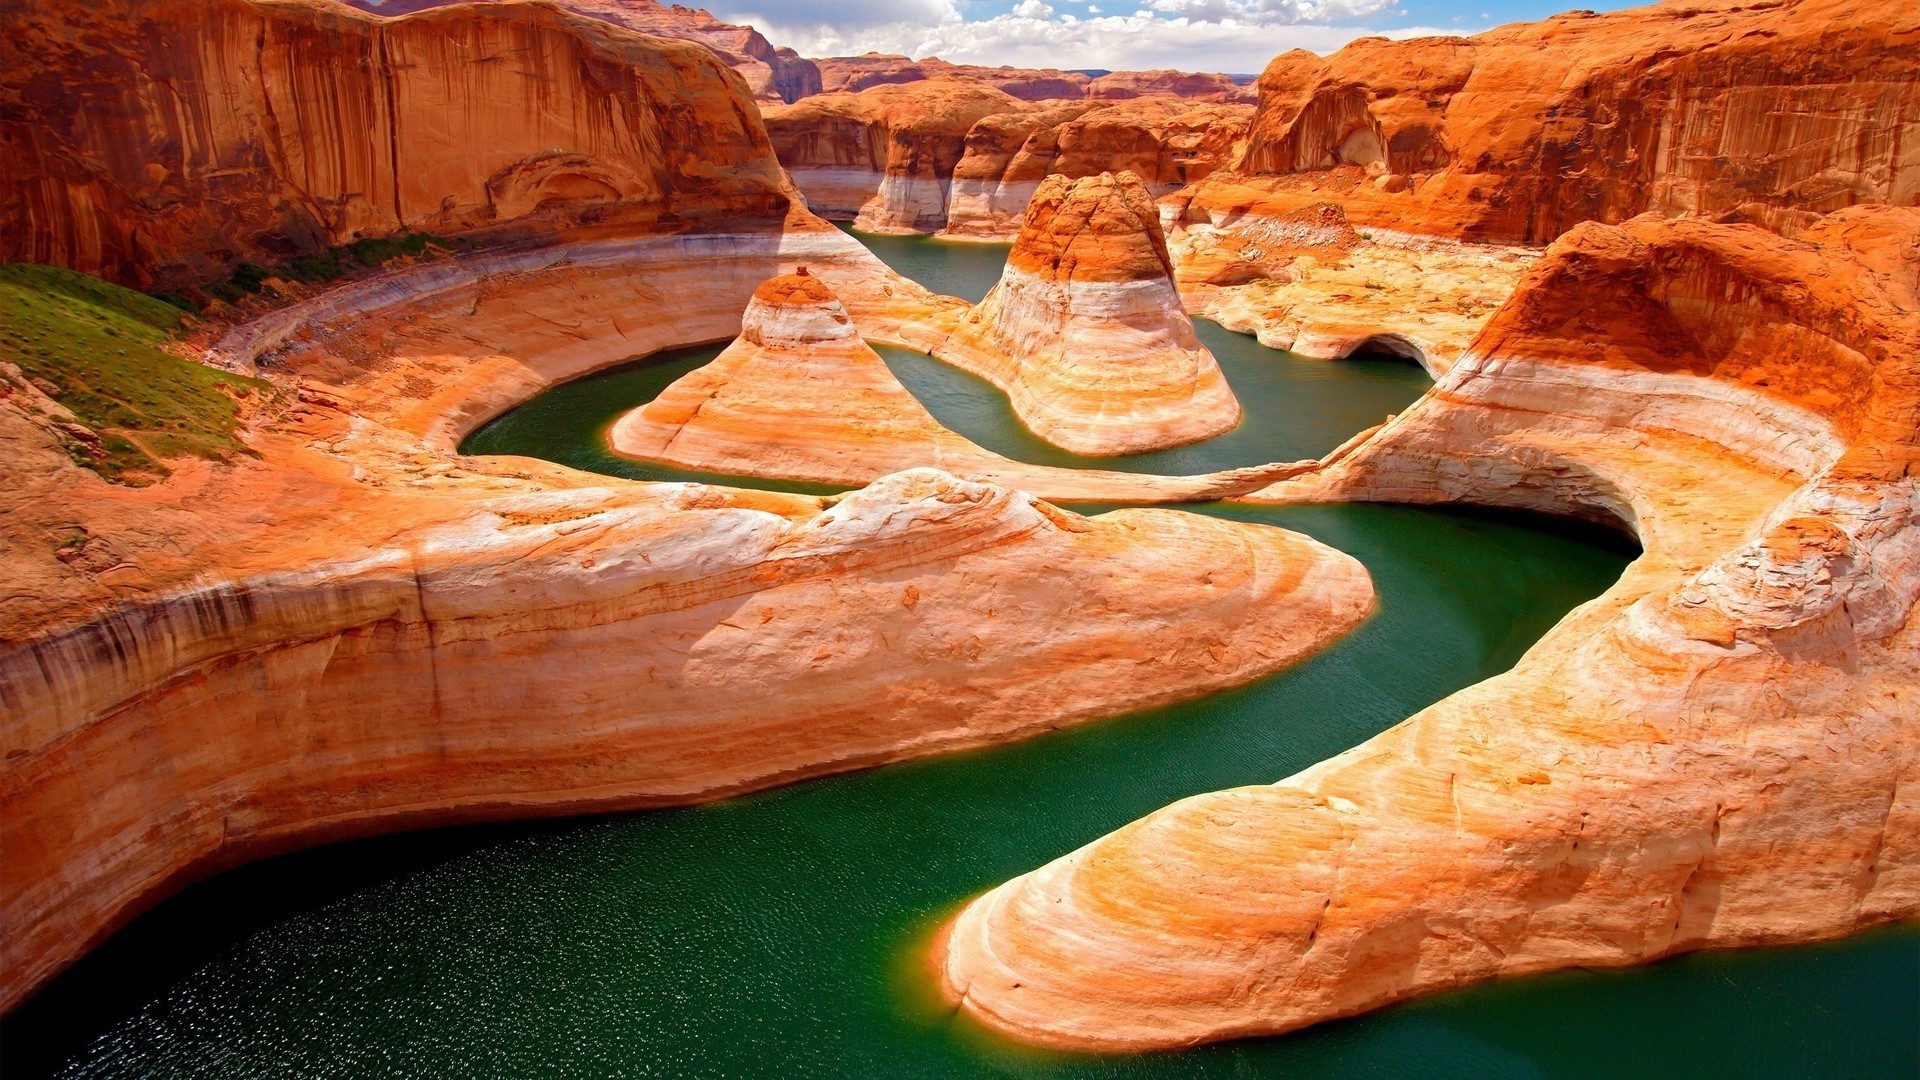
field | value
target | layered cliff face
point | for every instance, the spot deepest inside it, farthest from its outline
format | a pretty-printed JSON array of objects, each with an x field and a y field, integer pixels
[
  {"x": 1719, "y": 751},
  {"x": 884, "y": 157},
  {"x": 947, "y": 155},
  {"x": 1085, "y": 331},
  {"x": 1773, "y": 113},
  {"x": 1168, "y": 144},
  {"x": 772, "y": 74},
  {"x": 232, "y": 130}
]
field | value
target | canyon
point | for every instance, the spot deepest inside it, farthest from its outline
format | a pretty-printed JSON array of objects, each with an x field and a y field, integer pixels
[{"x": 1663, "y": 265}]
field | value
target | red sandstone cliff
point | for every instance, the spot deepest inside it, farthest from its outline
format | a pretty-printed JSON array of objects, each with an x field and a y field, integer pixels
[
  {"x": 160, "y": 141},
  {"x": 1775, "y": 113},
  {"x": 952, "y": 155},
  {"x": 773, "y": 74}
]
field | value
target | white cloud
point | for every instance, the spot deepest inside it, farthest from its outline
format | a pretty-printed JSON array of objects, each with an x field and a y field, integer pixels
[{"x": 1193, "y": 35}]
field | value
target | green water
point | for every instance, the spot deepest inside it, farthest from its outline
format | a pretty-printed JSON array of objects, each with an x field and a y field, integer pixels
[{"x": 776, "y": 934}]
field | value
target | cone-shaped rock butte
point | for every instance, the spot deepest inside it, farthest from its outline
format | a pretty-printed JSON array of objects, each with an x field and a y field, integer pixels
[{"x": 783, "y": 933}]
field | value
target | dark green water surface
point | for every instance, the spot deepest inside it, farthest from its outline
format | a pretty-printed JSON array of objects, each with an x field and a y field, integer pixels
[{"x": 779, "y": 934}]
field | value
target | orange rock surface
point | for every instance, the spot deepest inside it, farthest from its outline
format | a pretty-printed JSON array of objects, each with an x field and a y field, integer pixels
[
  {"x": 884, "y": 157},
  {"x": 1719, "y": 751},
  {"x": 952, "y": 155},
  {"x": 800, "y": 395},
  {"x": 1198, "y": 86},
  {"x": 1166, "y": 142},
  {"x": 212, "y": 131},
  {"x": 1085, "y": 331},
  {"x": 1774, "y": 113},
  {"x": 853, "y": 74},
  {"x": 772, "y": 74}
]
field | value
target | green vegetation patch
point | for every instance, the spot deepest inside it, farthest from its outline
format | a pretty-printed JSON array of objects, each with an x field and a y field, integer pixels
[
  {"x": 96, "y": 348},
  {"x": 247, "y": 278}
]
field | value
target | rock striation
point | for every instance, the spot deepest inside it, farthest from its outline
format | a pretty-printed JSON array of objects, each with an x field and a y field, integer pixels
[
  {"x": 800, "y": 395},
  {"x": 1773, "y": 113},
  {"x": 947, "y": 155},
  {"x": 772, "y": 74},
  {"x": 1085, "y": 331},
  {"x": 1719, "y": 751},
  {"x": 1167, "y": 143},
  {"x": 882, "y": 158},
  {"x": 207, "y": 134}
]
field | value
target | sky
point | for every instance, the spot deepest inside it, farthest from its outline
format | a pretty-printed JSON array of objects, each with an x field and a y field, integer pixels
[{"x": 1236, "y": 36}]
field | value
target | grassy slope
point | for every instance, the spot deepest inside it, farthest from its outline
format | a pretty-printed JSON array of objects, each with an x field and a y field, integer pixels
[{"x": 98, "y": 346}]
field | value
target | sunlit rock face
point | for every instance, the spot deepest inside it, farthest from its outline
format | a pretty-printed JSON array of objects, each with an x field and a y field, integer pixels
[
  {"x": 1719, "y": 751},
  {"x": 205, "y": 133},
  {"x": 957, "y": 156},
  {"x": 1167, "y": 143},
  {"x": 1774, "y": 114},
  {"x": 1198, "y": 86},
  {"x": 883, "y": 158},
  {"x": 1085, "y": 331},
  {"x": 853, "y": 74},
  {"x": 772, "y": 74}
]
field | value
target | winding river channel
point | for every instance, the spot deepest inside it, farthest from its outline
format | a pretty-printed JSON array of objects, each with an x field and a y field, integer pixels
[{"x": 780, "y": 934}]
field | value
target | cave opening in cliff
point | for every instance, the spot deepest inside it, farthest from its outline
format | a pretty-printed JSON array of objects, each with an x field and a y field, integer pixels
[{"x": 1388, "y": 347}]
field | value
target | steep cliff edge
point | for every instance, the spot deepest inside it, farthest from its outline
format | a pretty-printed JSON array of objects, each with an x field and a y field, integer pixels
[
  {"x": 1721, "y": 750},
  {"x": 209, "y": 133},
  {"x": 1774, "y": 113},
  {"x": 1085, "y": 331},
  {"x": 772, "y": 74}
]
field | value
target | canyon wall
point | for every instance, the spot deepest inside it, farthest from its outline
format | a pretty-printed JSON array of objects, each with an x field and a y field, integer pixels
[
  {"x": 227, "y": 130},
  {"x": 852, "y": 74},
  {"x": 352, "y": 628},
  {"x": 772, "y": 74},
  {"x": 1721, "y": 750},
  {"x": 950, "y": 155},
  {"x": 1773, "y": 113}
]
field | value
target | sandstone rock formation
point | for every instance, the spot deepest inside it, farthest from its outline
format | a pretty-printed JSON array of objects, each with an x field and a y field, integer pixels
[
  {"x": 947, "y": 155},
  {"x": 206, "y": 133},
  {"x": 1085, "y": 332},
  {"x": 883, "y": 158},
  {"x": 1771, "y": 113},
  {"x": 800, "y": 395},
  {"x": 1167, "y": 143},
  {"x": 1719, "y": 751},
  {"x": 772, "y": 74},
  {"x": 1310, "y": 283},
  {"x": 1197, "y": 86},
  {"x": 358, "y": 630},
  {"x": 853, "y": 74}
]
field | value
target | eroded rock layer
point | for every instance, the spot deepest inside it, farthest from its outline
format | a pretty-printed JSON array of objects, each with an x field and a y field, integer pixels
[
  {"x": 1719, "y": 751},
  {"x": 1773, "y": 113},
  {"x": 209, "y": 132},
  {"x": 951, "y": 155},
  {"x": 358, "y": 630},
  {"x": 1085, "y": 331}
]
